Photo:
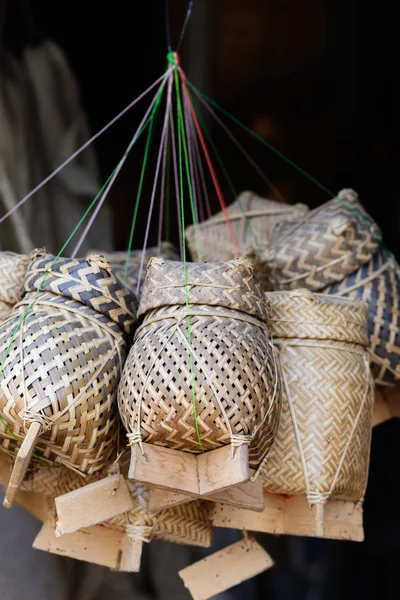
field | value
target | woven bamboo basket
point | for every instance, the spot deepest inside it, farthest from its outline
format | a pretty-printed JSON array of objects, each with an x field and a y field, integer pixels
[
  {"x": 62, "y": 367},
  {"x": 321, "y": 249},
  {"x": 378, "y": 283},
  {"x": 235, "y": 377},
  {"x": 118, "y": 262},
  {"x": 322, "y": 446},
  {"x": 253, "y": 220},
  {"x": 12, "y": 272}
]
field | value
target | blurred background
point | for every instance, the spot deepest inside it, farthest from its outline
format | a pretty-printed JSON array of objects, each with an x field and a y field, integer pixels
[{"x": 318, "y": 79}]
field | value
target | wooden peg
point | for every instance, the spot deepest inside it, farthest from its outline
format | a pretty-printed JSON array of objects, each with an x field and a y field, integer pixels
[
  {"x": 226, "y": 568},
  {"x": 192, "y": 474},
  {"x": 92, "y": 504},
  {"x": 21, "y": 463},
  {"x": 131, "y": 555}
]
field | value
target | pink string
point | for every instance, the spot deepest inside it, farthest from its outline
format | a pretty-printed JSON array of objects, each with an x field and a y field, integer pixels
[
  {"x": 255, "y": 166},
  {"x": 175, "y": 163},
  {"x": 113, "y": 178},
  {"x": 153, "y": 194},
  {"x": 75, "y": 154}
]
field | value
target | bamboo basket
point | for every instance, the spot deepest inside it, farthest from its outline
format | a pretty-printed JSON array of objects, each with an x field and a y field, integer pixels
[
  {"x": 62, "y": 367},
  {"x": 12, "y": 271},
  {"x": 253, "y": 220},
  {"x": 323, "y": 248},
  {"x": 323, "y": 442},
  {"x": 118, "y": 262},
  {"x": 236, "y": 384},
  {"x": 378, "y": 283}
]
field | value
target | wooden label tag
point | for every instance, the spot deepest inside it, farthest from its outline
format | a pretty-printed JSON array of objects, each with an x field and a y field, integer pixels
[
  {"x": 98, "y": 545},
  {"x": 93, "y": 504},
  {"x": 226, "y": 568}
]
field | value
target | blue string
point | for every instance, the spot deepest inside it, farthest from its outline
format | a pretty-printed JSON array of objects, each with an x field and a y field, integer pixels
[
  {"x": 167, "y": 25},
  {"x": 188, "y": 13}
]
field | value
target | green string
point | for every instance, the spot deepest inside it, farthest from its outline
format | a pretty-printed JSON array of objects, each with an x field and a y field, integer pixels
[
  {"x": 225, "y": 173},
  {"x": 182, "y": 141},
  {"x": 355, "y": 211},
  {"x": 151, "y": 120},
  {"x": 40, "y": 287}
]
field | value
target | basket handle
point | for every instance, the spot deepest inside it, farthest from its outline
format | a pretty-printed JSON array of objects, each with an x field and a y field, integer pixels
[{"x": 21, "y": 463}]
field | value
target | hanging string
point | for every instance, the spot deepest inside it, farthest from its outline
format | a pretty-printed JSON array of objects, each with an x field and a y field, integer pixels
[
  {"x": 188, "y": 14},
  {"x": 168, "y": 190},
  {"x": 118, "y": 169},
  {"x": 200, "y": 170},
  {"x": 190, "y": 154},
  {"x": 81, "y": 149},
  {"x": 181, "y": 142},
  {"x": 268, "y": 145},
  {"x": 211, "y": 168},
  {"x": 141, "y": 180},
  {"x": 167, "y": 25},
  {"x": 153, "y": 194},
  {"x": 228, "y": 179},
  {"x": 164, "y": 183},
  {"x": 250, "y": 160},
  {"x": 196, "y": 171},
  {"x": 176, "y": 181}
]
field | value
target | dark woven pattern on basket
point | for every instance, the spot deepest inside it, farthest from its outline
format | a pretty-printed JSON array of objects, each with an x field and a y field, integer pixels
[
  {"x": 378, "y": 284},
  {"x": 12, "y": 271},
  {"x": 64, "y": 365},
  {"x": 236, "y": 382},
  {"x": 327, "y": 397},
  {"x": 118, "y": 262},
  {"x": 253, "y": 220},
  {"x": 327, "y": 245},
  {"x": 187, "y": 523}
]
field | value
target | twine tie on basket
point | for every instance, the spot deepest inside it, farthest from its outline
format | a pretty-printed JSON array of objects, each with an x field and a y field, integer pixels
[{"x": 140, "y": 533}]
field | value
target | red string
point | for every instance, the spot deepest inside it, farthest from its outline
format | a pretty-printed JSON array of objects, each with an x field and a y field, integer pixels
[{"x": 211, "y": 168}]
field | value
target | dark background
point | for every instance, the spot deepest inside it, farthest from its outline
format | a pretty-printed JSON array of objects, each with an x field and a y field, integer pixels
[{"x": 319, "y": 79}]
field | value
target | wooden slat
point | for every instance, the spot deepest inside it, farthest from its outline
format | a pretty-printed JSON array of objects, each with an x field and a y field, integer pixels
[
  {"x": 96, "y": 544},
  {"x": 92, "y": 504},
  {"x": 226, "y": 568},
  {"x": 131, "y": 555},
  {"x": 342, "y": 520},
  {"x": 218, "y": 470}
]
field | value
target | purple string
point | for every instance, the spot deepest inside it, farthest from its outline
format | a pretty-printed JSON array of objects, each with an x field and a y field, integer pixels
[
  {"x": 200, "y": 169},
  {"x": 189, "y": 144},
  {"x": 255, "y": 166},
  {"x": 153, "y": 194},
  {"x": 75, "y": 154},
  {"x": 163, "y": 178},
  {"x": 173, "y": 145},
  {"x": 113, "y": 178}
]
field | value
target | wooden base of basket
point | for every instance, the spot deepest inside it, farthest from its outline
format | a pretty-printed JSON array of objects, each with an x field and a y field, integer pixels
[
  {"x": 224, "y": 569},
  {"x": 199, "y": 474},
  {"x": 92, "y": 504},
  {"x": 342, "y": 520},
  {"x": 247, "y": 495}
]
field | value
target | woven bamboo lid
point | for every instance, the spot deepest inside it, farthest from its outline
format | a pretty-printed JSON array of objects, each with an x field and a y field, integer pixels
[
  {"x": 230, "y": 284},
  {"x": 325, "y": 246},
  {"x": 89, "y": 281},
  {"x": 305, "y": 314}
]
